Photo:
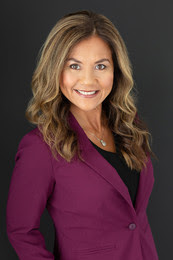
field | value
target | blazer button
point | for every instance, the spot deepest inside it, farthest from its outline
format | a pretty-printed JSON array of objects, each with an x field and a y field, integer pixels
[{"x": 132, "y": 226}]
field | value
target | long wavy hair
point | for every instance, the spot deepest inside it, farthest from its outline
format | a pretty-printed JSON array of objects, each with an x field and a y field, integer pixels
[{"x": 49, "y": 108}]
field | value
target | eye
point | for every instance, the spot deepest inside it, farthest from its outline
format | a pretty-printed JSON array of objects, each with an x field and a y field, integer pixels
[
  {"x": 74, "y": 66},
  {"x": 102, "y": 66}
]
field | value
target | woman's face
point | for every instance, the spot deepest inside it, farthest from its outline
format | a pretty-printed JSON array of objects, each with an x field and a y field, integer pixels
[{"x": 88, "y": 69}]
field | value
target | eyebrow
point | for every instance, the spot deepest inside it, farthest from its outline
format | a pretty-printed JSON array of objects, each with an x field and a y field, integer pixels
[{"x": 73, "y": 59}]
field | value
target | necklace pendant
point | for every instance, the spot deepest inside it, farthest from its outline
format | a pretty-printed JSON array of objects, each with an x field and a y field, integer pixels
[{"x": 103, "y": 142}]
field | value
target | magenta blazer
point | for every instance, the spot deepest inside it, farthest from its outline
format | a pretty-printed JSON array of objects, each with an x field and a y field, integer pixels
[{"x": 89, "y": 204}]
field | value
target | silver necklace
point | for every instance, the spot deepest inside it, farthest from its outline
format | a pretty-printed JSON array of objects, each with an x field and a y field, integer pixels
[{"x": 101, "y": 140}]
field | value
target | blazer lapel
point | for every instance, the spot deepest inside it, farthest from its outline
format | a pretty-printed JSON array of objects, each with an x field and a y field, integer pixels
[{"x": 102, "y": 167}]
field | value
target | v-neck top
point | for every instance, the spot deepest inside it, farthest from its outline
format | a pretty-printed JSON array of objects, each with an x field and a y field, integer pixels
[{"x": 129, "y": 177}]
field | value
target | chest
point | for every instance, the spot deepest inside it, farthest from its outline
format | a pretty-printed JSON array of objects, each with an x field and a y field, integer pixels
[{"x": 108, "y": 137}]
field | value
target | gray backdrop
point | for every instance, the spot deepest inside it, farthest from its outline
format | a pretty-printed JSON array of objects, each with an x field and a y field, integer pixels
[{"x": 146, "y": 27}]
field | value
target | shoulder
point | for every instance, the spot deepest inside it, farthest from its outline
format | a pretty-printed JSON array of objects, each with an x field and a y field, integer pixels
[
  {"x": 33, "y": 137},
  {"x": 33, "y": 145}
]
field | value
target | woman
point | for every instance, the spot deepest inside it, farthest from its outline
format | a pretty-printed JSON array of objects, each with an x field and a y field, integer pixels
[{"x": 88, "y": 159}]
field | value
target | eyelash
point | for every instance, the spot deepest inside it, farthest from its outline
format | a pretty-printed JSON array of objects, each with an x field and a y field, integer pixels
[{"x": 78, "y": 65}]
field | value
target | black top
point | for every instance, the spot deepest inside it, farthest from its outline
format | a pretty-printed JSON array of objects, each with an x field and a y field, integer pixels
[{"x": 129, "y": 177}]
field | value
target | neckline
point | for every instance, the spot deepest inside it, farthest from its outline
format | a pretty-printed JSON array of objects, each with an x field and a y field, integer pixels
[
  {"x": 102, "y": 149},
  {"x": 85, "y": 142},
  {"x": 117, "y": 148}
]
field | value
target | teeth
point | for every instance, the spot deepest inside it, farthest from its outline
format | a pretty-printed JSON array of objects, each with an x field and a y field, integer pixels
[{"x": 86, "y": 93}]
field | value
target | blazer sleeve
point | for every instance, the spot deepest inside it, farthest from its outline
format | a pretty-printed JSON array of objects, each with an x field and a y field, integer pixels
[{"x": 32, "y": 183}]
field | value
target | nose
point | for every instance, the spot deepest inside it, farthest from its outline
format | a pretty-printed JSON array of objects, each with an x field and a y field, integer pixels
[{"x": 87, "y": 77}]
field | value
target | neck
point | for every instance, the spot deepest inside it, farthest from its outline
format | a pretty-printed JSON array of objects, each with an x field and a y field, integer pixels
[{"x": 92, "y": 120}]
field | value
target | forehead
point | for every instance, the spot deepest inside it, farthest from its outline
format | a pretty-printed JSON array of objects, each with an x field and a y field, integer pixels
[{"x": 92, "y": 46}]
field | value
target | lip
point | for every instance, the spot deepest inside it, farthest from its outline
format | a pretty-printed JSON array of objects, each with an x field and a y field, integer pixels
[{"x": 87, "y": 96}]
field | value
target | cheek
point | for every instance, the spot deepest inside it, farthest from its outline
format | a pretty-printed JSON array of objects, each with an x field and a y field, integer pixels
[
  {"x": 67, "y": 80},
  {"x": 108, "y": 82}
]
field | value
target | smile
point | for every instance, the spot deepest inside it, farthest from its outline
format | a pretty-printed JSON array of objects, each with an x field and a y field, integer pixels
[{"x": 86, "y": 93}]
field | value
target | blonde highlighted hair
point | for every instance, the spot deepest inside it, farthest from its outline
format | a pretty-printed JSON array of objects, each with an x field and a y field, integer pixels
[{"x": 49, "y": 108}]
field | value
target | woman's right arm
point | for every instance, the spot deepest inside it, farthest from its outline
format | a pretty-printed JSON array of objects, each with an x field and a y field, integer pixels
[{"x": 31, "y": 185}]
